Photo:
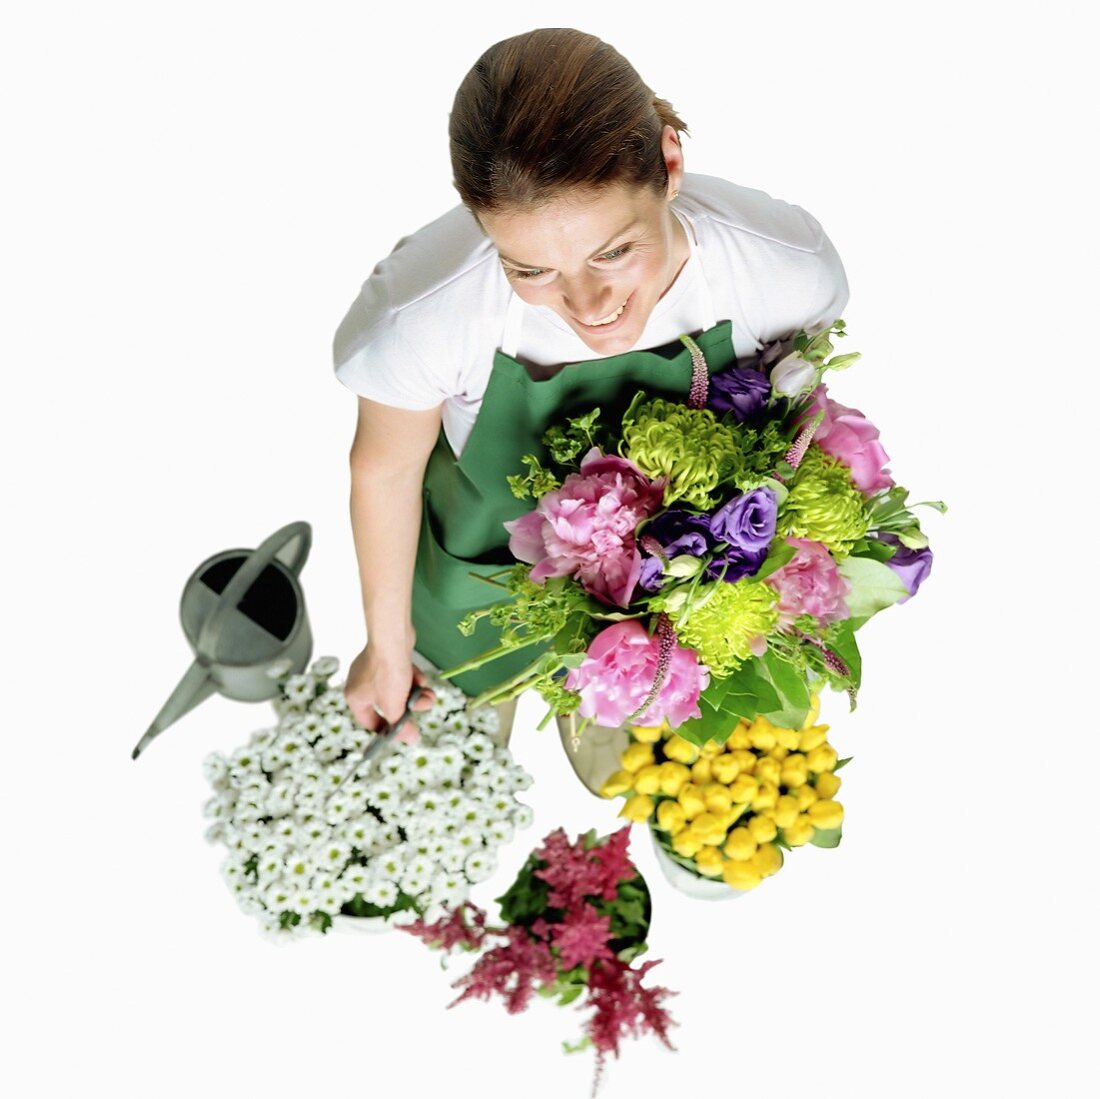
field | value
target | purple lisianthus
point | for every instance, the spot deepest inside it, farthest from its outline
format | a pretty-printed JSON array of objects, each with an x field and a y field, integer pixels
[
  {"x": 741, "y": 563},
  {"x": 747, "y": 521},
  {"x": 912, "y": 566},
  {"x": 741, "y": 390},
  {"x": 676, "y": 532}
]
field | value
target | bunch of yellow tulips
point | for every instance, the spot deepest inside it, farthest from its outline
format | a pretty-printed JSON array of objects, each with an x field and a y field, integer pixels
[{"x": 729, "y": 809}]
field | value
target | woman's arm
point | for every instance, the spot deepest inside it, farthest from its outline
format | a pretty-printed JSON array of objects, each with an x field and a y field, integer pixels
[{"x": 388, "y": 457}]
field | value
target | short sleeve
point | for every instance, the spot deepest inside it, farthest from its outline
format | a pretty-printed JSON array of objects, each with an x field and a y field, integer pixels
[
  {"x": 375, "y": 359},
  {"x": 825, "y": 283}
]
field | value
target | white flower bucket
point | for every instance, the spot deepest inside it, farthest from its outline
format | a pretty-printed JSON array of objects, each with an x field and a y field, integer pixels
[{"x": 694, "y": 885}]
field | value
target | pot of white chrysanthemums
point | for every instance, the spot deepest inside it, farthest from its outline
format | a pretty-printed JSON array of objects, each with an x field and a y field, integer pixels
[{"x": 404, "y": 839}]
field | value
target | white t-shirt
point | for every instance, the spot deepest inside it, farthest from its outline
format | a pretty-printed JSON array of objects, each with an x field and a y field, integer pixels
[{"x": 426, "y": 324}]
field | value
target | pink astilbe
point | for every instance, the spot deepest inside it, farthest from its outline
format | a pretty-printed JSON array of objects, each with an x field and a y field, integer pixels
[
  {"x": 452, "y": 930},
  {"x": 514, "y": 970},
  {"x": 571, "y": 872},
  {"x": 582, "y": 937},
  {"x": 622, "y": 1007}
]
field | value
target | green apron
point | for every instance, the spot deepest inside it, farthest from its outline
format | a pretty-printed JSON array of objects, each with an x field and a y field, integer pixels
[{"x": 467, "y": 500}]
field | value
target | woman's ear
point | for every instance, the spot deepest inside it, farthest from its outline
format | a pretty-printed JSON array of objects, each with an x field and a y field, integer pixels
[{"x": 674, "y": 158}]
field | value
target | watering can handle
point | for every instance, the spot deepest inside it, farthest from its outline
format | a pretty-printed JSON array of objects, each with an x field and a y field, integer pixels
[{"x": 247, "y": 575}]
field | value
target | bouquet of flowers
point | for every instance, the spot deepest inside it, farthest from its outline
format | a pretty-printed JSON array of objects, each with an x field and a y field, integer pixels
[
  {"x": 402, "y": 840},
  {"x": 705, "y": 562},
  {"x": 729, "y": 811},
  {"x": 574, "y": 920}
]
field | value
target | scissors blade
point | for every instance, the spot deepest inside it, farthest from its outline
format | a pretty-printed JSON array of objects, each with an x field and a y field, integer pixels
[{"x": 376, "y": 743}]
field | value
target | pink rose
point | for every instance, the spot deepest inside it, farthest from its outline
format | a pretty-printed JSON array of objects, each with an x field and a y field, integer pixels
[
  {"x": 586, "y": 527},
  {"x": 851, "y": 438},
  {"x": 810, "y": 583},
  {"x": 618, "y": 673}
]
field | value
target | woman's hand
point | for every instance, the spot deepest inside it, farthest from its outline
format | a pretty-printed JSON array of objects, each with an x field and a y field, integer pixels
[{"x": 378, "y": 687}]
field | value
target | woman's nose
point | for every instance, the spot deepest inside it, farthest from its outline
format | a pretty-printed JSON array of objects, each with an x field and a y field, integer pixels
[{"x": 588, "y": 302}]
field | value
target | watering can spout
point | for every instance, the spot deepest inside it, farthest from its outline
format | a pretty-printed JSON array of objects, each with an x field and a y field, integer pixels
[{"x": 196, "y": 686}]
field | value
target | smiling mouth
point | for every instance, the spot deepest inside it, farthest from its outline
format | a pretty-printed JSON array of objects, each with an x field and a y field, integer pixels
[{"x": 610, "y": 319}]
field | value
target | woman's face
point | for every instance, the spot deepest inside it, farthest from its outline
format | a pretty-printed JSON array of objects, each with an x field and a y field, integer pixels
[{"x": 590, "y": 253}]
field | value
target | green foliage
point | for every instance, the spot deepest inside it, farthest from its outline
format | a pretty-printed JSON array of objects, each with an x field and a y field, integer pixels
[
  {"x": 537, "y": 481},
  {"x": 570, "y": 443}
]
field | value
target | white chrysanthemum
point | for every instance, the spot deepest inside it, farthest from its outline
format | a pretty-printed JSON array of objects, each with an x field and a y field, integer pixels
[
  {"x": 261, "y": 738},
  {"x": 269, "y": 866},
  {"x": 501, "y": 782},
  {"x": 459, "y": 723},
  {"x": 309, "y": 797},
  {"x": 382, "y": 795},
  {"x": 329, "y": 892},
  {"x": 382, "y": 892},
  {"x": 232, "y": 868},
  {"x": 314, "y": 830},
  {"x": 449, "y": 739},
  {"x": 215, "y": 767},
  {"x": 500, "y": 832},
  {"x": 389, "y": 835},
  {"x": 250, "y": 904},
  {"x": 413, "y": 886},
  {"x": 333, "y": 854},
  {"x": 479, "y": 865},
  {"x": 453, "y": 858},
  {"x": 280, "y": 799},
  {"x": 521, "y": 779},
  {"x": 478, "y": 746},
  {"x": 310, "y": 725},
  {"x": 404, "y": 916},
  {"x": 303, "y": 901},
  {"x": 422, "y": 866},
  {"x": 276, "y": 895},
  {"x": 291, "y": 747},
  {"x": 485, "y": 719},
  {"x": 288, "y": 831},
  {"x": 277, "y": 669},
  {"x": 299, "y": 689},
  {"x": 341, "y": 807},
  {"x": 298, "y": 868},
  {"x": 324, "y": 666},
  {"x": 338, "y": 724},
  {"x": 424, "y": 828},
  {"x": 522, "y": 816},
  {"x": 331, "y": 700},
  {"x": 327, "y": 747},
  {"x": 500, "y": 805},
  {"x": 390, "y": 864},
  {"x": 431, "y": 725},
  {"x": 468, "y": 838},
  {"x": 450, "y": 888},
  {"x": 216, "y": 832},
  {"x": 359, "y": 831},
  {"x": 356, "y": 877},
  {"x": 249, "y": 809}
]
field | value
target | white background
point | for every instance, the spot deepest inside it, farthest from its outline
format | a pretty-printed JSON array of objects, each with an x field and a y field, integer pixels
[{"x": 193, "y": 195}]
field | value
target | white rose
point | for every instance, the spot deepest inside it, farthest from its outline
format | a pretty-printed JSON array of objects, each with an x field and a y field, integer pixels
[{"x": 791, "y": 375}]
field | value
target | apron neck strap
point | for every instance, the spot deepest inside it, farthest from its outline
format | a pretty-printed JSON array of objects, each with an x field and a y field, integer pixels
[{"x": 513, "y": 320}]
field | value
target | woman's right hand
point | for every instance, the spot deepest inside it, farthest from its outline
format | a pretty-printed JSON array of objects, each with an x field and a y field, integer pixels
[{"x": 378, "y": 687}]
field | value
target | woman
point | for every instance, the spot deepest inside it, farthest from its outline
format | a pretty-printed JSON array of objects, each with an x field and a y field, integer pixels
[{"x": 579, "y": 254}]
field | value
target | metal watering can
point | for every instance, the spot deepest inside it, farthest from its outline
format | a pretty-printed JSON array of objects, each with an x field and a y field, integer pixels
[{"x": 243, "y": 612}]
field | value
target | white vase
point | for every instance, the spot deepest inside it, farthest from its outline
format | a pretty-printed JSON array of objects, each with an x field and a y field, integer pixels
[
  {"x": 694, "y": 885},
  {"x": 361, "y": 925}
]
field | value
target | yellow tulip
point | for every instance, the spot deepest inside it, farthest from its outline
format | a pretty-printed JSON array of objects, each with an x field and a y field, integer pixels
[
  {"x": 805, "y": 796},
  {"x": 767, "y": 770},
  {"x": 702, "y": 770},
  {"x": 692, "y": 800},
  {"x": 762, "y": 829},
  {"x": 741, "y": 875},
  {"x": 739, "y": 738},
  {"x": 636, "y": 756},
  {"x": 766, "y": 796},
  {"x": 680, "y": 750},
  {"x": 746, "y": 760},
  {"x": 822, "y": 758},
  {"x": 743, "y": 788},
  {"x": 723, "y": 769},
  {"x": 789, "y": 738},
  {"x": 709, "y": 862},
  {"x": 712, "y": 748},
  {"x": 762, "y": 733},
  {"x": 827, "y": 784},
  {"x": 740, "y": 844},
  {"x": 800, "y": 832},
  {"x": 673, "y": 777},
  {"x": 811, "y": 737},
  {"x": 717, "y": 797},
  {"x": 647, "y": 734},
  {"x": 647, "y": 780},
  {"x": 639, "y": 808},
  {"x": 786, "y": 810},
  {"x": 670, "y": 816},
  {"x": 826, "y": 814},
  {"x": 768, "y": 860},
  {"x": 795, "y": 770},
  {"x": 779, "y": 752},
  {"x": 686, "y": 843},
  {"x": 617, "y": 784},
  {"x": 708, "y": 828}
]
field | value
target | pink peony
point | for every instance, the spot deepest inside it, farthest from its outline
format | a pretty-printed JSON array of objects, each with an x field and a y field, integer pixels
[
  {"x": 809, "y": 583},
  {"x": 618, "y": 672},
  {"x": 851, "y": 438},
  {"x": 586, "y": 527}
]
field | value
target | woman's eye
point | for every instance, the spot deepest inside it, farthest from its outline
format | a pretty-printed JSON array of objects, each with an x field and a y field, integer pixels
[
  {"x": 619, "y": 252},
  {"x": 526, "y": 274}
]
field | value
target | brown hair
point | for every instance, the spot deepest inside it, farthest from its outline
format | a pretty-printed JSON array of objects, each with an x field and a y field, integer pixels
[{"x": 551, "y": 109}]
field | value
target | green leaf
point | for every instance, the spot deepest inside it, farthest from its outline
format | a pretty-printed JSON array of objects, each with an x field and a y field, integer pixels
[
  {"x": 841, "y": 762},
  {"x": 779, "y": 554},
  {"x": 843, "y": 643},
  {"x": 571, "y": 995},
  {"x": 826, "y": 837},
  {"x": 793, "y": 701},
  {"x": 875, "y": 586}
]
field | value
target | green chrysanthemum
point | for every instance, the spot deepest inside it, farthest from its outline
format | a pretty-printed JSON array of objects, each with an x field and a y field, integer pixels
[
  {"x": 824, "y": 505},
  {"x": 721, "y": 629},
  {"x": 687, "y": 445}
]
